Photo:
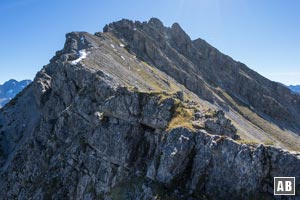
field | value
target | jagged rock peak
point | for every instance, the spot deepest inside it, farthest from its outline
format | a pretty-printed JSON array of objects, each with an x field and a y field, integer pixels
[
  {"x": 129, "y": 24},
  {"x": 156, "y": 22},
  {"x": 123, "y": 115},
  {"x": 178, "y": 31},
  {"x": 153, "y": 27}
]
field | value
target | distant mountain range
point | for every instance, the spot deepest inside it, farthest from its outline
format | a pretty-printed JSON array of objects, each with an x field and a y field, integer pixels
[
  {"x": 295, "y": 88},
  {"x": 10, "y": 89}
]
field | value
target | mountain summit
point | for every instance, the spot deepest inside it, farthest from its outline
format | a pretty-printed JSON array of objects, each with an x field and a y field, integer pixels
[{"x": 141, "y": 111}]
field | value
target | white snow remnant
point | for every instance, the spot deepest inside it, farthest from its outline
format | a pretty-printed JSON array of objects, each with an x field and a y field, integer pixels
[
  {"x": 182, "y": 137},
  {"x": 123, "y": 57},
  {"x": 113, "y": 46},
  {"x": 122, "y": 45},
  {"x": 174, "y": 152},
  {"x": 213, "y": 143},
  {"x": 82, "y": 55},
  {"x": 82, "y": 39}
]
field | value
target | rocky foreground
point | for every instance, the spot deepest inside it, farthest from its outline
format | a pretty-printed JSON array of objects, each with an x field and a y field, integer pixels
[{"x": 140, "y": 111}]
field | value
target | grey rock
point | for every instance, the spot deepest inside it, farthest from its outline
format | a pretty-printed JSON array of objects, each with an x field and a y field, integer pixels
[
  {"x": 216, "y": 73},
  {"x": 118, "y": 125}
]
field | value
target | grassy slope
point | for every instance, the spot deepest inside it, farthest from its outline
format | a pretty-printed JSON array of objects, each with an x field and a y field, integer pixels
[
  {"x": 266, "y": 131},
  {"x": 112, "y": 58}
]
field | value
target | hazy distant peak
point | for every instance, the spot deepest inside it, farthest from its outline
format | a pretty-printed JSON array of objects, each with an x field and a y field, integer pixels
[
  {"x": 10, "y": 89},
  {"x": 295, "y": 88}
]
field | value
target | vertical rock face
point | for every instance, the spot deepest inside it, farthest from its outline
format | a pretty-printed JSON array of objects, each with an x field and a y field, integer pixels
[{"x": 112, "y": 117}]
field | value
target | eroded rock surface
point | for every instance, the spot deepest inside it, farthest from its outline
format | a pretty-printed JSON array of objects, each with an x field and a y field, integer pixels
[{"x": 114, "y": 126}]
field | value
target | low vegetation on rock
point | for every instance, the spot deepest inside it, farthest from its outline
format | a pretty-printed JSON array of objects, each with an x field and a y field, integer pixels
[{"x": 141, "y": 111}]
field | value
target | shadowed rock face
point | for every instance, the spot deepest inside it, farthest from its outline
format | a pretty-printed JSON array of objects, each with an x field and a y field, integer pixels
[{"x": 143, "y": 113}]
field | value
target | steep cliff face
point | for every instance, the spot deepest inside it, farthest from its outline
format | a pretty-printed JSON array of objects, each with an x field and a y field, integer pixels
[{"x": 103, "y": 121}]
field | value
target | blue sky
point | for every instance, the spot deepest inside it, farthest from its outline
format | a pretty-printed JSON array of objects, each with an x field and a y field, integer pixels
[{"x": 265, "y": 35}]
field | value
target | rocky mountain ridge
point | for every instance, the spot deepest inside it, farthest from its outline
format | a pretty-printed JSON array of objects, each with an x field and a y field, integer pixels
[
  {"x": 137, "y": 104},
  {"x": 196, "y": 63},
  {"x": 10, "y": 89}
]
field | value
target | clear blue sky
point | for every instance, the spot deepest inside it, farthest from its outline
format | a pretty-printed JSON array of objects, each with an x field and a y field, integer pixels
[{"x": 265, "y": 35}]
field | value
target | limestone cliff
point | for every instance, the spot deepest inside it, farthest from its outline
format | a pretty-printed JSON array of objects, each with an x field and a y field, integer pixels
[{"x": 142, "y": 112}]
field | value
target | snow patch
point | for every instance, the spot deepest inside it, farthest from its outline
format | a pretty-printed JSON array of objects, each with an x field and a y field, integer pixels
[
  {"x": 82, "y": 55},
  {"x": 182, "y": 137},
  {"x": 213, "y": 143},
  {"x": 123, "y": 57},
  {"x": 113, "y": 46},
  {"x": 174, "y": 152},
  {"x": 122, "y": 45},
  {"x": 82, "y": 39}
]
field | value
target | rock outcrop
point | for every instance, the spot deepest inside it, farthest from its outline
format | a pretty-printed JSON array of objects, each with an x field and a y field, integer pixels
[{"x": 137, "y": 113}]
